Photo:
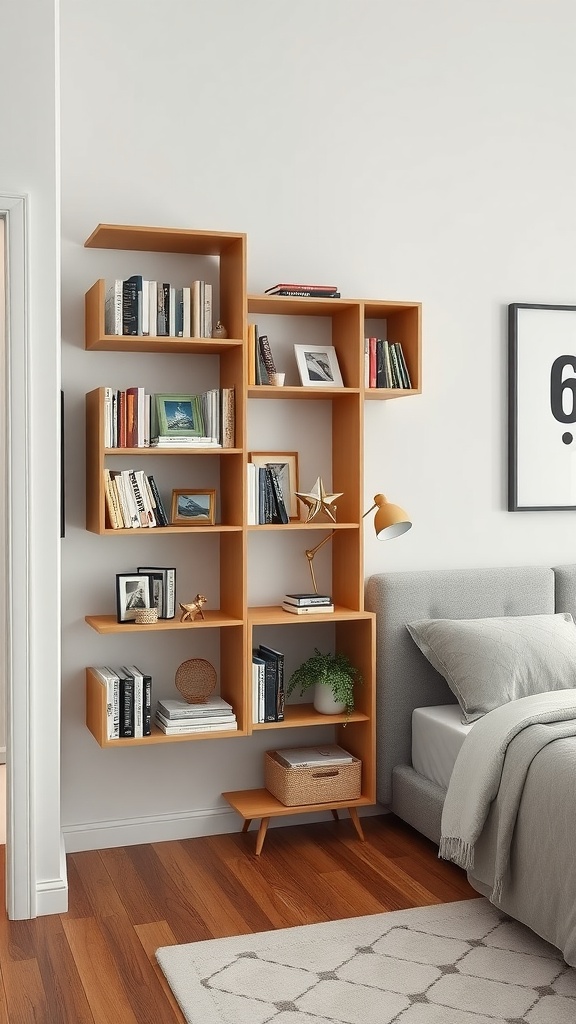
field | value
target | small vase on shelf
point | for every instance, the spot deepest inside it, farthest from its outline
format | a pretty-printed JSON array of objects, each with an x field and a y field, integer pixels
[{"x": 324, "y": 701}]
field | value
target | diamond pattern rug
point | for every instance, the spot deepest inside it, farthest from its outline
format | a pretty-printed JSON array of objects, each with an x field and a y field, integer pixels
[{"x": 458, "y": 963}]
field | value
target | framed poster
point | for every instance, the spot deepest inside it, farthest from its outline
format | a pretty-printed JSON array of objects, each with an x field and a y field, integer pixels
[{"x": 542, "y": 407}]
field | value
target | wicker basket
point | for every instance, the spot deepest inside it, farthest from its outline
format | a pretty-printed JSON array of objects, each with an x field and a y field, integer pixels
[{"x": 318, "y": 785}]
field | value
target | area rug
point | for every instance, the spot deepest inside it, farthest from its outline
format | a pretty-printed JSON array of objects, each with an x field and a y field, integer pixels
[{"x": 458, "y": 963}]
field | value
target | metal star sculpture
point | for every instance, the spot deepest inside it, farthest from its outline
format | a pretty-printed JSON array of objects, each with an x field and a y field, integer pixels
[{"x": 317, "y": 501}]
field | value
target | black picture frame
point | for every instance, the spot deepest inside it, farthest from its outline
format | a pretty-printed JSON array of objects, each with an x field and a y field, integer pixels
[
  {"x": 133, "y": 590},
  {"x": 541, "y": 407}
]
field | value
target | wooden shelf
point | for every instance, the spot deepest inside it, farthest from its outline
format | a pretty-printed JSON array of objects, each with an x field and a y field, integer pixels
[
  {"x": 383, "y": 394},
  {"x": 268, "y": 615},
  {"x": 299, "y": 715},
  {"x": 157, "y": 239},
  {"x": 314, "y": 525},
  {"x": 211, "y": 620},
  {"x": 142, "y": 530},
  {"x": 301, "y": 393},
  {"x": 152, "y": 450}
]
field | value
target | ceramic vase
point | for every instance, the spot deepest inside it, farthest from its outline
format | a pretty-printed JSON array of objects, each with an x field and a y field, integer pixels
[{"x": 324, "y": 700}]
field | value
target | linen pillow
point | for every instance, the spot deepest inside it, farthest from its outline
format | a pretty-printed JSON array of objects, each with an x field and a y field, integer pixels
[{"x": 488, "y": 662}]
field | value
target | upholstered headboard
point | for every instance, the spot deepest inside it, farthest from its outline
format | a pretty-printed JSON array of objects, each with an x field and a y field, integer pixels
[{"x": 405, "y": 679}]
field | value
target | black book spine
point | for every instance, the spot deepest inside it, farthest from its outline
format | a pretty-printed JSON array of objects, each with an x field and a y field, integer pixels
[
  {"x": 126, "y": 705},
  {"x": 146, "y": 705},
  {"x": 380, "y": 365},
  {"x": 160, "y": 510},
  {"x": 281, "y": 513},
  {"x": 267, "y": 357},
  {"x": 308, "y": 294},
  {"x": 130, "y": 306},
  {"x": 270, "y": 686},
  {"x": 280, "y": 691}
]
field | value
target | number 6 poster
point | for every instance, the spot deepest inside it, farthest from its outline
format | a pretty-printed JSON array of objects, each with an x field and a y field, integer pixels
[{"x": 542, "y": 407}]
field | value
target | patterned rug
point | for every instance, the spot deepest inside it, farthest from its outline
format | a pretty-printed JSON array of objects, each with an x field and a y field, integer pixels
[{"x": 459, "y": 963}]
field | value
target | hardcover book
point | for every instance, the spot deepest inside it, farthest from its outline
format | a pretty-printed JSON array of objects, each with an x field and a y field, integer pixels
[
  {"x": 309, "y": 609},
  {"x": 175, "y": 708},
  {"x": 306, "y": 599}
]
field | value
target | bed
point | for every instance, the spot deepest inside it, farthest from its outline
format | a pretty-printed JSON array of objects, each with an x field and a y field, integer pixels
[{"x": 415, "y": 784}]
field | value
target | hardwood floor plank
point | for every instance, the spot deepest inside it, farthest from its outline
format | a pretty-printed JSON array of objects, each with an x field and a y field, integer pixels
[
  {"x": 134, "y": 871},
  {"x": 95, "y": 964},
  {"x": 65, "y": 996},
  {"x": 153, "y": 936},
  {"x": 25, "y": 995}
]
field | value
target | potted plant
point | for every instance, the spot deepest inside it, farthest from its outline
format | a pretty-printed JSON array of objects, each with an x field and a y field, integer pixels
[{"x": 333, "y": 677}]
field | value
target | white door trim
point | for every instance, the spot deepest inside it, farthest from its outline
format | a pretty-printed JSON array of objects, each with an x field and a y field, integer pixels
[{"x": 20, "y": 849}]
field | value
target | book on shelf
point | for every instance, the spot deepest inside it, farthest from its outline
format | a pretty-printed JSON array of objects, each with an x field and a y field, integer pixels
[
  {"x": 157, "y": 503},
  {"x": 126, "y": 700},
  {"x": 306, "y": 293},
  {"x": 137, "y": 306},
  {"x": 273, "y": 683},
  {"x": 267, "y": 357},
  {"x": 385, "y": 364},
  {"x": 310, "y": 609},
  {"x": 298, "y": 286},
  {"x": 302, "y": 600},
  {"x": 113, "y": 307},
  {"x": 111, "y": 683},
  {"x": 279, "y": 513},
  {"x": 165, "y": 441},
  {"x": 167, "y": 578},
  {"x": 258, "y": 686},
  {"x": 173, "y": 707},
  {"x": 193, "y": 729},
  {"x": 195, "y": 723},
  {"x": 132, "y": 305},
  {"x": 314, "y": 757}
]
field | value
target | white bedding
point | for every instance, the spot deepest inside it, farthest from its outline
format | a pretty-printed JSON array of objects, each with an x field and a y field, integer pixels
[{"x": 437, "y": 735}]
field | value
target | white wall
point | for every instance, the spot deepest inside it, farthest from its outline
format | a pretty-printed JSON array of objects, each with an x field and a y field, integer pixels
[
  {"x": 410, "y": 151},
  {"x": 29, "y": 164}
]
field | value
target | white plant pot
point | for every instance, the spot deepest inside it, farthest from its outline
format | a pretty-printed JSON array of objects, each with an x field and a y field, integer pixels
[{"x": 324, "y": 701}]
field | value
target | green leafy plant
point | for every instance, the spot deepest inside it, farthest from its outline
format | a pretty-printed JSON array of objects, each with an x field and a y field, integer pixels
[{"x": 334, "y": 670}]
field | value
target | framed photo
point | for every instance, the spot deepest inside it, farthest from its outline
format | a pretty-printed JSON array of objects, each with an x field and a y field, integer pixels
[
  {"x": 193, "y": 508},
  {"x": 318, "y": 366},
  {"x": 133, "y": 591},
  {"x": 286, "y": 466},
  {"x": 178, "y": 416},
  {"x": 542, "y": 407}
]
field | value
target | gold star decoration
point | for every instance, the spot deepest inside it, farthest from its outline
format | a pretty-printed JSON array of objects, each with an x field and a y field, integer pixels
[{"x": 317, "y": 501}]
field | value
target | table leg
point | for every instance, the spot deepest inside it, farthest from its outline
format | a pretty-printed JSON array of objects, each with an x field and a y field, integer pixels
[
  {"x": 335, "y": 815},
  {"x": 356, "y": 822},
  {"x": 261, "y": 835},
  {"x": 246, "y": 824}
]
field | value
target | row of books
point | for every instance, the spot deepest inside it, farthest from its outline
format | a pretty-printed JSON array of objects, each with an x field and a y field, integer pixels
[
  {"x": 132, "y": 418},
  {"x": 261, "y": 363},
  {"x": 307, "y": 604},
  {"x": 140, "y": 307},
  {"x": 267, "y": 685},
  {"x": 266, "y": 503},
  {"x": 133, "y": 500},
  {"x": 318, "y": 291},
  {"x": 177, "y": 717},
  {"x": 128, "y": 701},
  {"x": 385, "y": 364}
]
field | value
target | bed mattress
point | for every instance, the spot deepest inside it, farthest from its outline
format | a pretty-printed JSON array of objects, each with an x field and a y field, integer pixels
[{"x": 437, "y": 735}]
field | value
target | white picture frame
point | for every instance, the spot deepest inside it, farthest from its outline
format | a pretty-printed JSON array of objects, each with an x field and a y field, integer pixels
[
  {"x": 541, "y": 407},
  {"x": 318, "y": 366}
]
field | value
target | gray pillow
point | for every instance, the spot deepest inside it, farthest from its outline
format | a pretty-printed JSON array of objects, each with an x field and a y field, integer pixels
[{"x": 488, "y": 662}]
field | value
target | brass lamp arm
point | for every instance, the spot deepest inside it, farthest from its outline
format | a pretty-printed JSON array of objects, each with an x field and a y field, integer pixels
[{"x": 311, "y": 552}]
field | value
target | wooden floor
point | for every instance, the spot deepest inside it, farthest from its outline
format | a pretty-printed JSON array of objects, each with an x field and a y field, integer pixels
[{"x": 95, "y": 964}]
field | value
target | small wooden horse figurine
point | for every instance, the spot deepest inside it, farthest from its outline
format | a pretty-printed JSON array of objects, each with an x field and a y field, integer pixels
[{"x": 190, "y": 611}]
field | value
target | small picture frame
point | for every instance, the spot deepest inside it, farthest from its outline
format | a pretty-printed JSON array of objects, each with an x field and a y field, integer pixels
[
  {"x": 193, "y": 508},
  {"x": 318, "y": 366},
  {"x": 133, "y": 591},
  {"x": 178, "y": 416},
  {"x": 286, "y": 466}
]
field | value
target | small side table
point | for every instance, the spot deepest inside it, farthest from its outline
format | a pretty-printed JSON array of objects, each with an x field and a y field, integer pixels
[{"x": 254, "y": 804}]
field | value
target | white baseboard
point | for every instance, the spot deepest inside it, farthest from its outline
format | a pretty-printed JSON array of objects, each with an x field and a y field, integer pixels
[
  {"x": 52, "y": 894},
  {"x": 158, "y": 828}
]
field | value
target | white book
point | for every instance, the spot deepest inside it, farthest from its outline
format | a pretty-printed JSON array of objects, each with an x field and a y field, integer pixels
[
  {"x": 108, "y": 417},
  {"x": 194, "y": 723},
  {"x": 147, "y": 417},
  {"x": 129, "y": 498},
  {"x": 116, "y": 476},
  {"x": 190, "y": 730},
  {"x": 207, "y": 310},
  {"x": 195, "y": 309},
  {"x": 172, "y": 312},
  {"x": 186, "y": 312},
  {"x": 111, "y": 682},
  {"x": 142, "y": 480},
  {"x": 145, "y": 307},
  {"x": 251, "y": 491},
  {"x": 113, "y": 308},
  {"x": 175, "y": 708}
]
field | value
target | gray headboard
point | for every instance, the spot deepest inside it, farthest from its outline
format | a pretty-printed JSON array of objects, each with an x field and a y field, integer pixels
[{"x": 405, "y": 679}]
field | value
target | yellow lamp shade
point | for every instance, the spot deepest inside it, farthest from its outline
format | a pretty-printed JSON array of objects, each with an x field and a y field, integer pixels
[{"x": 390, "y": 520}]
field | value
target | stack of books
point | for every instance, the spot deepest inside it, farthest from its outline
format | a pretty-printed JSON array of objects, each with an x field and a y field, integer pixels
[
  {"x": 128, "y": 701},
  {"x": 132, "y": 500},
  {"x": 176, "y": 717},
  {"x": 384, "y": 364},
  {"x": 318, "y": 291},
  {"x": 307, "y": 604},
  {"x": 266, "y": 502},
  {"x": 267, "y": 685},
  {"x": 158, "y": 309}
]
